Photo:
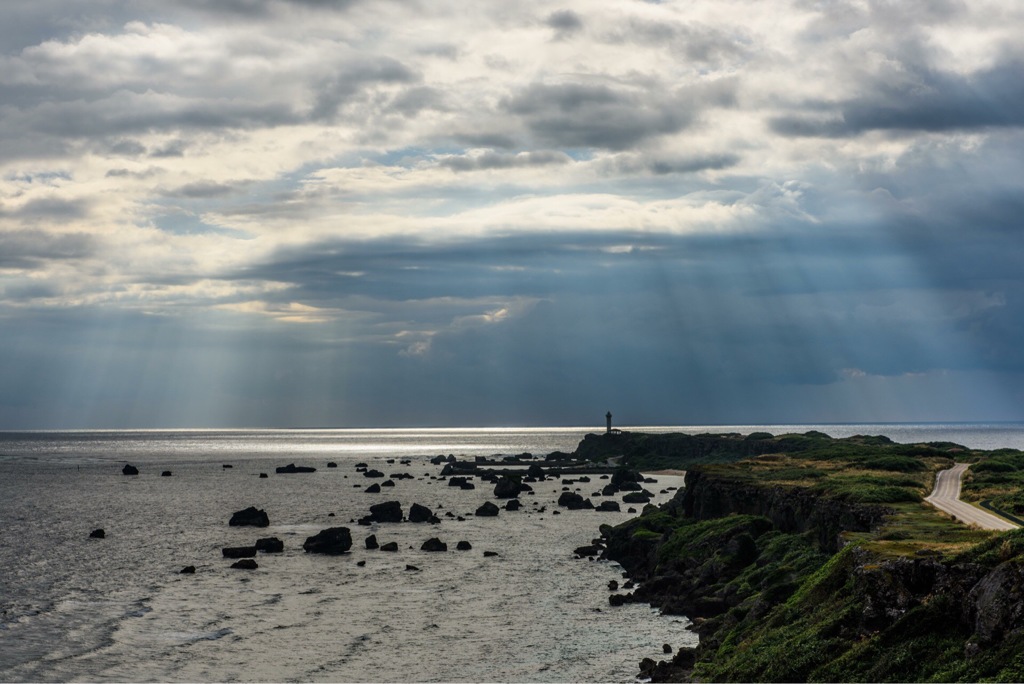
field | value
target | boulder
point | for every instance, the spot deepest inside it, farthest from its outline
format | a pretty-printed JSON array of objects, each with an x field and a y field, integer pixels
[
  {"x": 490, "y": 554},
  {"x": 238, "y": 551},
  {"x": 390, "y": 546},
  {"x": 463, "y": 546},
  {"x": 251, "y": 517},
  {"x": 613, "y": 585},
  {"x": 292, "y": 468},
  {"x": 626, "y": 475},
  {"x": 591, "y": 550},
  {"x": 513, "y": 505},
  {"x": 373, "y": 489},
  {"x": 609, "y": 490},
  {"x": 332, "y": 464},
  {"x": 387, "y": 483},
  {"x": 456, "y": 481},
  {"x": 636, "y": 497},
  {"x": 333, "y": 541},
  {"x": 438, "y": 460},
  {"x": 373, "y": 473},
  {"x": 535, "y": 471},
  {"x": 608, "y": 506},
  {"x": 488, "y": 509},
  {"x": 129, "y": 469},
  {"x": 434, "y": 544},
  {"x": 263, "y": 476},
  {"x": 270, "y": 545},
  {"x": 389, "y": 511},
  {"x": 574, "y": 501},
  {"x": 419, "y": 514},
  {"x": 227, "y": 465},
  {"x": 412, "y": 568},
  {"x": 507, "y": 487},
  {"x": 98, "y": 534},
  {"x": 166, "y": 473},
  {"x": 245, "y": 564},
  {"x": 371, "y": 542},
  {"x": 187, "y": 570}
]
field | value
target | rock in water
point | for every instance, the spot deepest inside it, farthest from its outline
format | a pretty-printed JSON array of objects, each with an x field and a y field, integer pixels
[
  {"x": 507, "y": 487},
  {"x": 245, "y": 564},
  {"x": 166, "y": 473},
  {"x": 371, "y": 542},
  {"x": 98, "y": 534},
  {"x": 188, "y": 570},
  {"x": 292, "y": 468},
  {"x": 488, "y": 509},
  {"x": 373, "y": 489},
  {"x": 574, "y": 501},
  {"x": 412, "y": 568},
  {"x": 434, "y": 544},
  {"x": 418, "y": 514},
  {"x": 250, "y": 516},
  {"x": 609, "y": 506},
  {"x": 129, "y": 469},
  {"x": 333, "y": 541},
  {"x": 263, "y": 476},
  {"x": 513, "y": 505},
  {"x": 270, "y": 545},
  {"x": 464, "y": 546},
  {"x": 390, "y": 546},
  {"x": 238, "y": 551},
  {"x": 332, "y": 464},
  {"x": 389, "y": 511}
]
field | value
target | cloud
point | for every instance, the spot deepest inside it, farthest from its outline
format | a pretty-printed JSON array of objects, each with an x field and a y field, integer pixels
[
  {"x": 565, "y": 22},
  {"x": 490, "y": 159}
]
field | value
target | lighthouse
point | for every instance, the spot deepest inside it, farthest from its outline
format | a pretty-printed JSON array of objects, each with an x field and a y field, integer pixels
[{"x": 608, "y": 420}]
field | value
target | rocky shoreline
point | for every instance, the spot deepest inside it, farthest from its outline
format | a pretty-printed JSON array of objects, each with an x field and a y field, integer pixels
[{"x": 780, "y": 589}]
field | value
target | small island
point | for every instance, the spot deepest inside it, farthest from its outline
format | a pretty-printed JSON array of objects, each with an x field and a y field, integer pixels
[{"x": 800, "y": 557}]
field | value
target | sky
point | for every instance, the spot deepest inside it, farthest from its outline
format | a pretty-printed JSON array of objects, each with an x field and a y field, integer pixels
[{"x": 287, "y": 213}]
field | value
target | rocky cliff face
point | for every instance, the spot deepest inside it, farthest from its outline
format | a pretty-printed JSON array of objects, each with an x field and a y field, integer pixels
[
  {"x": 775, "y": 596},
  {"x": 790, "y": 509}
]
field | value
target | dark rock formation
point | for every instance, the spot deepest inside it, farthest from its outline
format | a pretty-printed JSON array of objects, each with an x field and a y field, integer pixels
[
  {"x": 270, "y": 545},
  {"x": 263, "y": 476},
  {"x": 227, "y": 465},
  {"x": 457, "y": 481},
  {"x": 574, "y": 501},
  {"x": 292, "y": 468},
  {"x": 371, "y": 542},
  {"x": 420, "y": 514},
  {"x": 390, "y": 546},
  {"x": 373, "y": 473},
  {"x": 387, "y": 483},
  {"x": 373, "y": 489},
  {"x": 332, "y": 464},
  {"x": 637, "y": 497},
  {"x": 333, "y": 541},
  {"x": 590, "y": 550},
  {"x": 245, "y": 564},
  {"x": 412, "y": 568},
  {"x": 251, "y": 517},
  {"x": 535, "y": 471},
  {"x": 464, "y": 546},
  {"x": 613, "y": 585},
  {"x": 166, "y": 473},
  {"x": 434, "y": 544},
  {"x": 487, "y": 509},
  {"x": 129, "y": 469},
  {"x": 238, "y": 551},
  {"x": 608, "y": 506},
  {"x": 507, "y": 487},
  {"x": 513, "y": 505},
  {"x": 490, "y": 554},
  {"x": 187, "y": 570},
  {"x": 389, "y": 511}
]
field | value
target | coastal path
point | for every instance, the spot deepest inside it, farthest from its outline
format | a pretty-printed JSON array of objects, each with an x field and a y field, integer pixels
[{"x": 946, "y": 497}]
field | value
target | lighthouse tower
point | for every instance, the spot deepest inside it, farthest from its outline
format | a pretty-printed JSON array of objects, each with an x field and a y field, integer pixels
[{"x": 608, "y": 420}]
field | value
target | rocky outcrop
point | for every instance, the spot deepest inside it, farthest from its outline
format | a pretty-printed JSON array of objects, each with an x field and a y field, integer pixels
[
  {"x": 251, "y": 516},
  {"x": 389, "y": 511},
  {"x": 292, "y": 468},
  {"x": 332, "y": 541},
  {"x": 434, "y": 545},
  {"x": 421, "y": 514},
  {"x": 791, "y": 509},
  {"x": 574, "y": 501},
  {"x": 507, "y": 487},
  {"x": 269, "y": 545},
  {"x": 245, "y": 564},
  {"x": 97, "y": 534},
  {"x": 238, "y": 551},
  {"x": 371, "y": 542},
  {"x": 129, "y": 469},
  {"x": 487, "y": 510}
]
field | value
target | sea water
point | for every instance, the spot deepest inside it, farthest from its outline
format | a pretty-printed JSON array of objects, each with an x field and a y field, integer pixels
[{"x": 117, "y": 609}]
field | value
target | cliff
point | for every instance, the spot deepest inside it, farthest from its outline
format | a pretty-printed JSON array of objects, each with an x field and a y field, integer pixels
[{"x": 798, "y": 583}]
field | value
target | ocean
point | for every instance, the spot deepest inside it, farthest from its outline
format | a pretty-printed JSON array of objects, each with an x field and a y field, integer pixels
[{"x": 117, "y": 609}]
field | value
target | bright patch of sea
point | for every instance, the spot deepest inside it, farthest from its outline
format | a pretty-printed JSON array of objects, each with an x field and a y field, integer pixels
[{"x": 116, "y": 609}]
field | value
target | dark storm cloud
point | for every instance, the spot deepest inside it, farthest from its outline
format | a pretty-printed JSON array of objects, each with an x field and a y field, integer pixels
[
  {"x": 661, "y": 165},
  {"x": 25, "y": 249},
  {"x": 414, "y": 100},
  {"x": 51, "y": 208},
  {"x": 565, "y": 22},
  {"x": 610, "y": 116},
  {"x": 693, "y": 42},
  {"x": 204, "y": 190},
  {"x": 502, "y": 160},
  {"x": 335, "y": 91},
  {"x": 932, "y": 100}
]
